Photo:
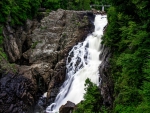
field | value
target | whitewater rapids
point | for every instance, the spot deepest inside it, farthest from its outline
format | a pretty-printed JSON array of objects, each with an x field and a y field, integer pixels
[{"x": 82, "y": 63}]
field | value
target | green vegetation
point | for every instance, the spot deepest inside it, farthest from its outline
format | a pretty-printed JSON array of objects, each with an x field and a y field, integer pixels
[
  {"x": 17, "y": 11},
  {"x": 128, "y": 36},
  {"x": 1, "y": 36},
  {"x": 71, "y": 4},
  {"x": 2, "y": 53},
  {"x": 34, "y": 44},
  {"x": 92, "y": 100}
]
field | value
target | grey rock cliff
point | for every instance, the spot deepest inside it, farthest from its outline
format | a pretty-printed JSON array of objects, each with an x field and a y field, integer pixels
[{"x": 39, "y": 49}]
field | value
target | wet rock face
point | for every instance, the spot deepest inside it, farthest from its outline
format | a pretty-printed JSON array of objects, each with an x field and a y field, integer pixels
[
  {"x": 16, "y": 94},
  {"x": 39, "y": 50},
  {"x": 106, "y": 81}
]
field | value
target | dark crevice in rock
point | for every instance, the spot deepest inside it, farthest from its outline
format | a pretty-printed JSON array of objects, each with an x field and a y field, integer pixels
[
  {"x": 41, "y": 86},
  {"x": 41, "y": 101},
  {"x": 22, "y": 61},
  {"x": 40, "y": 16},
  {"x": 25, "y": 46}
]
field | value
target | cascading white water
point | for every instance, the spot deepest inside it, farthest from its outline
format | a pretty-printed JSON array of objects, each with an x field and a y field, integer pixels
[{"x": 82, "y": 63}]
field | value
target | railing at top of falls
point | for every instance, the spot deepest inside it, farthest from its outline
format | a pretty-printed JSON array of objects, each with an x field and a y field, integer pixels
[{"x": 103, "y": 6}]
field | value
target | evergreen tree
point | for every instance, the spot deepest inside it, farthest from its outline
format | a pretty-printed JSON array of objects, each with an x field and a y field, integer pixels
[{"x": 92, "y": 102}]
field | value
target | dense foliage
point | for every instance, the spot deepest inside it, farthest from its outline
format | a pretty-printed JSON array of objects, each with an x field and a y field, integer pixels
[
  {"x": 92, "y": 100},
  {"x": 2, "y": 53},
  {"x": 71, "y": 4},
  {"x": 129, "y": 37},
  {"x": 17, "y": 11}
]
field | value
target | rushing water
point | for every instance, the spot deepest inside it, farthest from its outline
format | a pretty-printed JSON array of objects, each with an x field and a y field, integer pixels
[{"x": 82, "y": 63}]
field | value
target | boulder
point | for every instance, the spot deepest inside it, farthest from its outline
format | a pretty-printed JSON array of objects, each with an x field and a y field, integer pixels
[
  {"x": 67, "y": 108},
  {"x": 16, "y": 94}
]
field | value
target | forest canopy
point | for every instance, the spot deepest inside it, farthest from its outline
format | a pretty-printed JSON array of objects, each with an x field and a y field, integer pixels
[{"x": 17, "y": 11}]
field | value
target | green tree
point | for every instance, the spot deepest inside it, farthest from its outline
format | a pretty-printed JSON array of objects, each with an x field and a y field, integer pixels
[
  {"x": 51, "y": 4},
  {"x": 92, "y": 102},
  {"x": 17, "y": 11},
  {"x": 84, "y": 4}
]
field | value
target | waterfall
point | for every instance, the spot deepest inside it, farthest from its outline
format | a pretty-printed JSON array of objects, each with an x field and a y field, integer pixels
[{"x": 82, "y": 63}]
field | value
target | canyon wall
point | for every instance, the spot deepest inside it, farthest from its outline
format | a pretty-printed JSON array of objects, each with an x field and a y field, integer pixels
[{"x": 37, "y": 55}]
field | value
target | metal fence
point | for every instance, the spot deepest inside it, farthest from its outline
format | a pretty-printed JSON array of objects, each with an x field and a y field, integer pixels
[{"x": 103, "y": 6}]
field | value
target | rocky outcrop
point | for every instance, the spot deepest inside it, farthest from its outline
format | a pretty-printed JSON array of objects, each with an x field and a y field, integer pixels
[
  {"x": 67, "y": 108},
  {"x": 16, "y": 94},
  {"x": 39, "y": 49},
  {"x": 106, "y": 85},
  {"x": 16, "y": 39},
  {"x": 98, "y": 12}
]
